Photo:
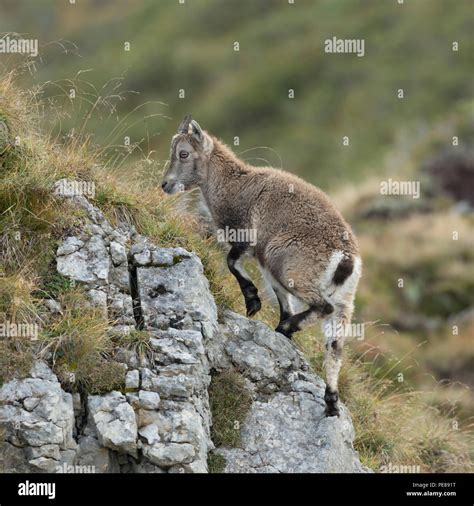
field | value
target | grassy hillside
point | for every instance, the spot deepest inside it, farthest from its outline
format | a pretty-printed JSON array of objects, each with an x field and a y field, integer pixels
[
  {"x": 191, "y": 47},
  {"x": 394, "y": 423}
]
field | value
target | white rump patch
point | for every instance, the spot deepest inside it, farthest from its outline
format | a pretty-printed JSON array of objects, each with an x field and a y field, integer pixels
[
  {"x": 339, "y": 294},
  {"x": 325, "y": 282}
]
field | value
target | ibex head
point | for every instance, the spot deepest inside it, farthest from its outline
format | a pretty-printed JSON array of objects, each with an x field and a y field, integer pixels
[{"x": 190, "y": 152}]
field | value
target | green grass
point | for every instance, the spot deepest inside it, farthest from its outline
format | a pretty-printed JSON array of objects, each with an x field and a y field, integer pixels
[
  {"x": 16, "y": 359},
  {"x": 80, "y": 347},
  {"x": 94, "y": 375},
  {"x": 215, "y": 463},
  {"x": 137, "y": 341},
  {"x": 230, "y": 402},
  {"x": 55, "y": 285}
]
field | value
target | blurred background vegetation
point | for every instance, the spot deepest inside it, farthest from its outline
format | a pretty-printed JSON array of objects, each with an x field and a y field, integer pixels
[
  {"x": 191, "y": 47},
  {"x": 419, "y": 336}
]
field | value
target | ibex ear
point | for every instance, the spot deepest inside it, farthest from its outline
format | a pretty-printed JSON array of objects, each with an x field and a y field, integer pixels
[
  {"x": 196, "y": 131},
  {"x": 184, "y": 126}
]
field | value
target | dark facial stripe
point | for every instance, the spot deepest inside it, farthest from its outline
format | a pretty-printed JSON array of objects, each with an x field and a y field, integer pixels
[{"x": 174, "y": 143}]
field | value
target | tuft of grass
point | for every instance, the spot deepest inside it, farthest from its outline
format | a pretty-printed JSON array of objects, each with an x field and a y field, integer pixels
[
  {"x": 93, "y": 374},
  {"x": 80, "y": 348},
  {"x": 16, "y": 359},
  {"x": 230, "y": 402},
  {"x": 55, "y": 286},
  {"x": 215, "y": 463},
  {"x": 137, "y": 341},
  {"x": 17, "y": 303}
]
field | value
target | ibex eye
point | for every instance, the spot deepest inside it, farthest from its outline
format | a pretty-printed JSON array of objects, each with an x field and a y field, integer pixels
[{"x": 183, "y": 154}]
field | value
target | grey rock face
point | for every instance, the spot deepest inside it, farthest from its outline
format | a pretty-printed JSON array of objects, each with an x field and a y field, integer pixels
[
  {"x": 114, "y": 420},
  {"x": 175, "y": 295},
  {"x": 148, "y": 400},
  {"x": 93, "y": 457},
  {"x": 286, "y": 430},
  {"x": 167, "y": 455},
  {"x": 90, "y": 263},
  {"x": 97, "y": 258},
  {"x": 38, "y": 419},
  {"x": 161, "y": 422},
  {"x": 132, "y": 380}
]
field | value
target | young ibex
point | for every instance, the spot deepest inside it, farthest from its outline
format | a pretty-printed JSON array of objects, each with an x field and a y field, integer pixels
[{"x": 303, "y": 246}]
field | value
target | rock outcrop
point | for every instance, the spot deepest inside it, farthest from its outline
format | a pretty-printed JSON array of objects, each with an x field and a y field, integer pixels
[
  {"x": 37, "y": 417},
  {"x": 161, "y": 421},
  {"x": 286, "y": 429}
]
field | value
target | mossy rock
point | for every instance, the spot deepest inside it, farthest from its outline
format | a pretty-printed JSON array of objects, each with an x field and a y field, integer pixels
[
  {"x": 92, "y": 374},
  {"x": 230, "y": 402},
  {"x": 215, "y": 463}
]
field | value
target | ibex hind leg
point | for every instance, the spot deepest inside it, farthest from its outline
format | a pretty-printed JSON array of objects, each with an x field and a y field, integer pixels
[
  {"x": 292, "y": 315},
  {"x": 296, "y": 322},
  {"x": 286, "y": 301},
  {"x": 334, "y": 329}
]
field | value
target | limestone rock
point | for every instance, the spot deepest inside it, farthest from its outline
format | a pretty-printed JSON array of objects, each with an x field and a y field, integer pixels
[
  {"x": 132, "y": 379},
  {"x": 167, "y": 455},
  {"x": 114, "y": 420},
  {"x": 37, "y": 418},
  {"x": 148, "y": 400},
  {"x": 286, "y": 430},
  {"x": 176, "y": 296}
]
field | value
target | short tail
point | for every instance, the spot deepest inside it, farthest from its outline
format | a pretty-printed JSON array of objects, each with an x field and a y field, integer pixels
[{"x": 343, "y": 270}]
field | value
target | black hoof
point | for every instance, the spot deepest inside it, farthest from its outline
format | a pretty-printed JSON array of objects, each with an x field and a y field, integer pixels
[
  {"x": 328, "y": 309},
  {"x": 253, "y": 306},
  {"x": 285, "y": 329},
  {"x": 332, "y": 410},
  {"x": 332, "y": 405}
]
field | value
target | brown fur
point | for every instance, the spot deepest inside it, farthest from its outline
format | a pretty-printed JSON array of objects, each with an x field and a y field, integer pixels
[
  {"x": 308, "y": 226},
  {"x": 302, "y": 242}
]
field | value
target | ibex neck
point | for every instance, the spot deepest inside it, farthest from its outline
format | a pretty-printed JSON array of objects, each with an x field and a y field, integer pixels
[
  {"x": 223, "y": 183},
  {"x": 224, "y": 166}
]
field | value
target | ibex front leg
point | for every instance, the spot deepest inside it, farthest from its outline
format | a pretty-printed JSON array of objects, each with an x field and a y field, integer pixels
[{"x": 249, "y": 290}]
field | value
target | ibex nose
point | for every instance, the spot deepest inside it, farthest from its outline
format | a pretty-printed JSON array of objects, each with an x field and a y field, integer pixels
[{"x": 163, "y": 186}]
